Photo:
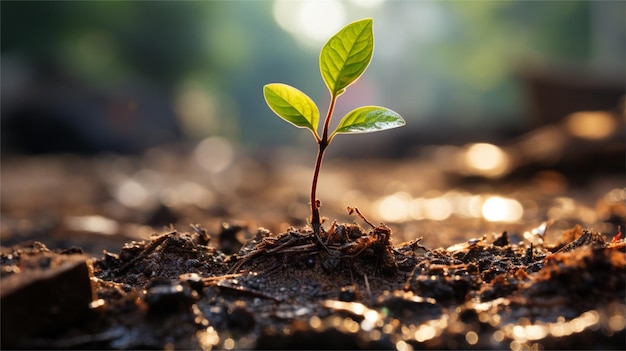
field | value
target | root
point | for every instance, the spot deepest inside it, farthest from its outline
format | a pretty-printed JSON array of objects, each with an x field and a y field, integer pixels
[{"x": 341, "y": 241}]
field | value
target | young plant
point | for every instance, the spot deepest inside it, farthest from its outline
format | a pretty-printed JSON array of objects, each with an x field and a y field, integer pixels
[{"x": 343, "y": 59}]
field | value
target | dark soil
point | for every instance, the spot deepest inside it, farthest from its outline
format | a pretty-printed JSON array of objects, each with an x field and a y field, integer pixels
[
  {"x": 353, "y": 290},
  {"x": 160, "y": 284}
]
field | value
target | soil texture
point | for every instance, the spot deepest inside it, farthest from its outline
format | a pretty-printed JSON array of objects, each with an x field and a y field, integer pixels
[{"x": 346, "y": 288}]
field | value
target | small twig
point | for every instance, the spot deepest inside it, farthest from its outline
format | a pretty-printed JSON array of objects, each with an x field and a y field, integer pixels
[
  {"x": 214, "y": 280},
  {"x": 156, "y": 242},
  {"x": 245, "y": 291},
  {"x": 367, "y": 286},
  {"x": 351, "y": 210},
  {"x": 317, "y": 230}
]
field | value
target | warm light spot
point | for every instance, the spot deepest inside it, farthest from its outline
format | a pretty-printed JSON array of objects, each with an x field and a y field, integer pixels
[
  {"x": 425, "y": 332},
  {"x": 195, "y": 194},
  {"x": 486, "y": 160},
  {"x": 458, "y": 202},
  {"x": 395, "y": 208},
  {"x": 590, "y": 317},
  {"x": 498, "y": 336},
  {"x": 535, "y": 332},
  {"x": 475, "y": 206},
  {"x": 471, "y": 338},
  {"x": 500, "y": 209},
  {"x": 310, "y": 21},
  {"x": 315, "y": 322},
  {"x": 616, "y": 195},
  {"x": 130, "y": 193},
  {"x": 515, "y": 345},
  {"x": 372, "y": 315},
  {"x": 229, "y": 344},
  {"x": 94, "y": 224},
  {"x": 214, "y": 154},
  {"x": 403, "y": 346},
  {"x": 208, "y": 338},
  {"x": 591, "y": 124},
  {"x": 617, "y": 322},
  {"x": 462, "y": 206},
  {"x": 416, "y": 209},
  {"x": 519, "y": 333},
  {"x": 350, "y": 325},
  {"x": 578, "y": 324},
  {"x": 559, "y": 329},
  {"x": 437, "y": 209}
]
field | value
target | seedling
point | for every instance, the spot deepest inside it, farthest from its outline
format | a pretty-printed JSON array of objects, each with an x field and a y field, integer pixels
[{"x": 343, "y": 59}]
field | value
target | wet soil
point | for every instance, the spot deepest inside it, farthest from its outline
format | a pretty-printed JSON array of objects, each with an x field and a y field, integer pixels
[{"x": 348, "y": 288}]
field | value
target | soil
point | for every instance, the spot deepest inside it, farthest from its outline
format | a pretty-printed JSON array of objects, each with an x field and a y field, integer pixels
[
  {"x": 353, "y": 289},
  {"x": 85, "y": 266}
]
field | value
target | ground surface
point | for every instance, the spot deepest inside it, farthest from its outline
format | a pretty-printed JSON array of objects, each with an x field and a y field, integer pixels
[
  {"x": 182, "y": 290},
  {"x": 89, "y": 258}
]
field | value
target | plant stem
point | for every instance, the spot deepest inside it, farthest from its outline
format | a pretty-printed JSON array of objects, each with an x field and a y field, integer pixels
[{"x": 316, "y": 221}]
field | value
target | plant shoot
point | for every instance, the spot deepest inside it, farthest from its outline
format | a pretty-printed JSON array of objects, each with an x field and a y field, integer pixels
[{"x": 343, "y": 59}]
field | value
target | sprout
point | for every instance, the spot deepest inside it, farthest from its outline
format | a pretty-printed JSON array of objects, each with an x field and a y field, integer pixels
[{"x": 343, "y": 59}]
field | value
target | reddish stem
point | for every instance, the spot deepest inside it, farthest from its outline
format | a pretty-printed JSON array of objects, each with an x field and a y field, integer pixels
[{"x": 316, "y": 221}]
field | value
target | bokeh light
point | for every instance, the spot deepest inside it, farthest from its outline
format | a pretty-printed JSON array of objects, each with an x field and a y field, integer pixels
[
  {"x": 486, "y": 160},
  {"x": 402, "y": 207},
  {"x": 591, "y": 124},
  {"x": 131, "y": 193},
  {"x": 310, "y": 21},
  {"x": 394, "y": 208},
  {"x": 437, "y": 209},
  {"x": 501, "y": 209},
  {"x": 214, "y": 154}
]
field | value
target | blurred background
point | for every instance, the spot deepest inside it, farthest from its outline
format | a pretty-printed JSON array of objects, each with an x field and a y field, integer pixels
[{"x": 120, "y": 118}]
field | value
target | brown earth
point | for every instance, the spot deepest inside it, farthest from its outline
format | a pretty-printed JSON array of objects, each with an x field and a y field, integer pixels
[
  {"x": 97, "y": 253},
  {"x": 352, "y": 290}
]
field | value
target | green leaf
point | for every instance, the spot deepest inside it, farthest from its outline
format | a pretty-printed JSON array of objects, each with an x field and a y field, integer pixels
[
  {"x": 368, "y": 119},
  {"x": 292, "y": 105},
  {"x": 346, "y": 55}
]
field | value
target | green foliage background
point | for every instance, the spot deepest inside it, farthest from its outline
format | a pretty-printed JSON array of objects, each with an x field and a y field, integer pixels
[{"x": 461, "y": 73}]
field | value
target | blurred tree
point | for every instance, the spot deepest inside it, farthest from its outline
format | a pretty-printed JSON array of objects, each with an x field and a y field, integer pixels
[{"x": 126, "y": 68}]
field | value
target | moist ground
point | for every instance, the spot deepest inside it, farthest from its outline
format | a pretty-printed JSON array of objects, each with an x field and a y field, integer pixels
[{"x": 241, "y": 289}]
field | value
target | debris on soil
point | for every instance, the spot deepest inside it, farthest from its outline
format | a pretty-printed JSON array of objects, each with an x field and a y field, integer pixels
[
  {"x": 354, "y": 289},
  {"x": 43, "y": 292}
]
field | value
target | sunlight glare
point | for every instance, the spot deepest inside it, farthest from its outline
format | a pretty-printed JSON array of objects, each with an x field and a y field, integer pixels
[
  {"x": 474, "y": 206},
  {"x": 310, "y": 21},
  {"x": 437, "y": 209},
  {"x": 486, "y": 159},
  {"x": 500, "y": 209},
  {"x": 591, "y": 124},
  {"x": 395, "y": 208},
  {"x": 416, "y": 209},
  {"x": 94, "y": 224}
]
